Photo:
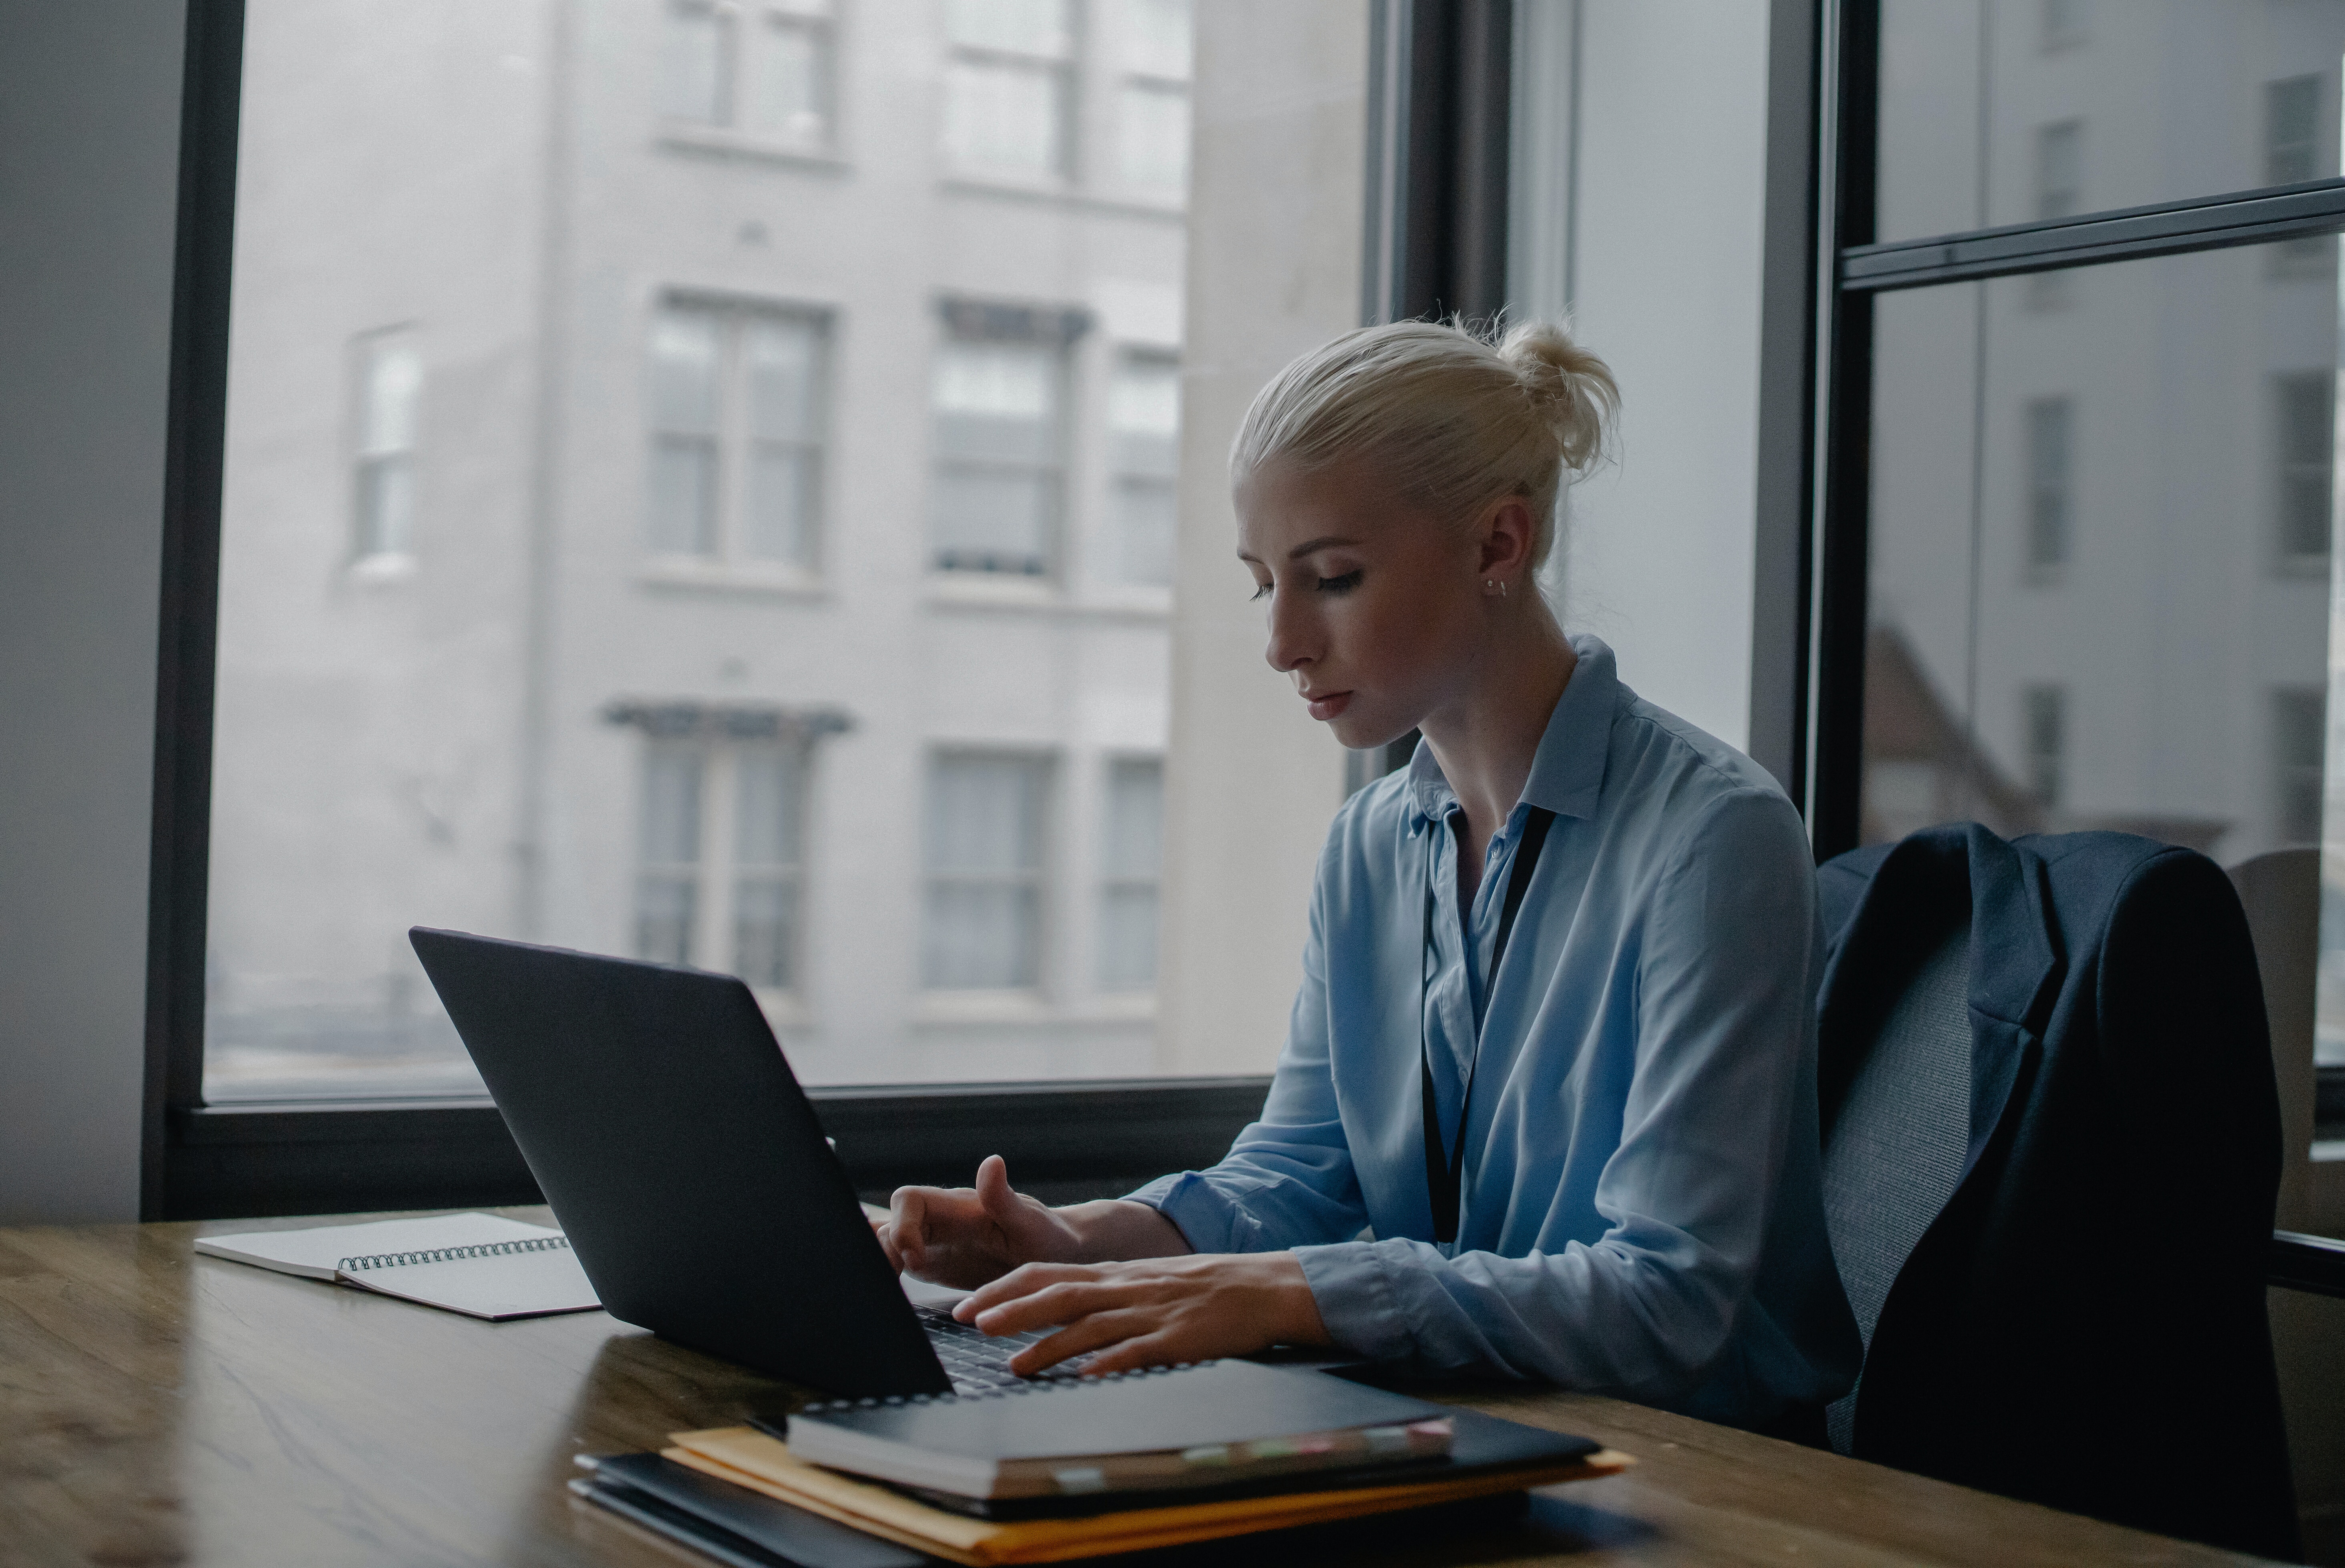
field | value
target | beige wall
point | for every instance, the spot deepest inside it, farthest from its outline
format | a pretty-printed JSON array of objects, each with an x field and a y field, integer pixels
[{"x": 1274, "y": 268}]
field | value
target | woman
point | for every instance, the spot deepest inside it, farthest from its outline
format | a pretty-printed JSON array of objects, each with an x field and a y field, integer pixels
[{"x": 1554, "y": 1046}]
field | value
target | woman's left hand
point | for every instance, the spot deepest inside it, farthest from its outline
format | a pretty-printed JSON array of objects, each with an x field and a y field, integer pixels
[{"x": 1150, "y": 1313}]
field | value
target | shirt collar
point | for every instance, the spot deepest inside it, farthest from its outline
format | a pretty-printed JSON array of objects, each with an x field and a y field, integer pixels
[{"x": 1568, "y": 770}]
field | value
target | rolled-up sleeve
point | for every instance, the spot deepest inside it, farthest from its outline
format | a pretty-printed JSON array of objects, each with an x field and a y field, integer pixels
[
  {"x": 1288, "y": 1180},
  {"x": 1724, "y": 976}
]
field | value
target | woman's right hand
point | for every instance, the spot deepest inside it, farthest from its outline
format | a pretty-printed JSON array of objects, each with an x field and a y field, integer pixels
[{"x": 970, "y": 1235}]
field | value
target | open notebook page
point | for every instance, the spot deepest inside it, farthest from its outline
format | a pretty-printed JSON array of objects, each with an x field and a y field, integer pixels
[
  {"x": 314, "y": 1252},
  {"x": 505, "y": 1285}
]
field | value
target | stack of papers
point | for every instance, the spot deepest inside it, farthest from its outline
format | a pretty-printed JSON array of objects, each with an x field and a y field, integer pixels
[{"x": 1490, "y": 1457}]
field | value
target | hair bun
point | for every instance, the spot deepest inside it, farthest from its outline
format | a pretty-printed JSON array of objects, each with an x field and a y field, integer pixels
[{"x": 1571, "y": 385}]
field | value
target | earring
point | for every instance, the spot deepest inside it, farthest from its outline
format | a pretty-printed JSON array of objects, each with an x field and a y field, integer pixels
[{"x": 1492, "y": 585}]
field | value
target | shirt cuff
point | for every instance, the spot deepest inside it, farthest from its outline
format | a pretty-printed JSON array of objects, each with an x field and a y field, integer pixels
[
  {"x": 1205, "y": 1218},
  {"x": 1356, "y": 1300}
]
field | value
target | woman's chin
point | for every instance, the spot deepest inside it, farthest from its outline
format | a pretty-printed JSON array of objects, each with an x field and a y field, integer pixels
[{"x": 1361, "y": 734}]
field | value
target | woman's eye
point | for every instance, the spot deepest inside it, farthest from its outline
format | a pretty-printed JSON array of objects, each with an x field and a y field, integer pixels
[
  {"x": 1344, "y": 584},
  {"x": 1261, "y": 591}
]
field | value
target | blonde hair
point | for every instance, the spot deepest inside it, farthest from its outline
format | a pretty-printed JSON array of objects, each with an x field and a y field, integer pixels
[{"x": 1451, "y": 418}]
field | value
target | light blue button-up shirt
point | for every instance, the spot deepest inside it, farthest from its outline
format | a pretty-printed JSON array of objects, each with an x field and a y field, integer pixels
[{"x": 1642, "y": 1208}]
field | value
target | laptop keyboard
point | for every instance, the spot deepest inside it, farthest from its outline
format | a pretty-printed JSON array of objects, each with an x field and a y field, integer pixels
[{"x": 978, "y": 1363}]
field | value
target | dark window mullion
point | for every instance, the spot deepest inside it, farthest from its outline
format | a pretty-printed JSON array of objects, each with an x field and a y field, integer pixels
[{"x": 2091, "y": 239}]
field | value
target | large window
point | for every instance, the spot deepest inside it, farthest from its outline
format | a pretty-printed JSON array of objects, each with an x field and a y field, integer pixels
[
  {"x": 2160, "y": 449},
  {"x": 702, "y": 482}
]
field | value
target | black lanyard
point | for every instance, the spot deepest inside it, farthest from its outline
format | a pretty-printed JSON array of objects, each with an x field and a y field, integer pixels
[{"x": 1443, "y": 1172}]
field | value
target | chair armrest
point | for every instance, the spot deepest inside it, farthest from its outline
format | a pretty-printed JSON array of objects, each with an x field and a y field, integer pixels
[{"x": 2315, "y": 1263}]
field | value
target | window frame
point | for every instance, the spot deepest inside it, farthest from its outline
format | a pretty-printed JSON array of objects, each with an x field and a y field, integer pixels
[
  {"x": 1437, "y": 93},
  {"x": 1849, "y": 269},
  {"x": 729, "y": 559},
  {"x": 738, "y": 24}
]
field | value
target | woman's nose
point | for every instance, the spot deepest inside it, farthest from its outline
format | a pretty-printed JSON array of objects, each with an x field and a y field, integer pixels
[{"x": 1292, "y": 644}]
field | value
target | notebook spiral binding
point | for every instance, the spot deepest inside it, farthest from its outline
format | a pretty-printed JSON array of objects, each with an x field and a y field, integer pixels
[{"x": 452, "y": 1254}]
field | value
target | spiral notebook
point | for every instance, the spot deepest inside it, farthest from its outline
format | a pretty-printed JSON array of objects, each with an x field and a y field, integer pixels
[{"x": 478, "y": 1264}]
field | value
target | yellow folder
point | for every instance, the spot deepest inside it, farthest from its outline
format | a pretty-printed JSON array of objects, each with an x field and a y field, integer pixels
[{"x": 750, "y": 1457}]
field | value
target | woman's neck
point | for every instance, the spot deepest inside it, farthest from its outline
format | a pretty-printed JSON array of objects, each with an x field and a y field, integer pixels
[{"x": 1486, "y": 740}]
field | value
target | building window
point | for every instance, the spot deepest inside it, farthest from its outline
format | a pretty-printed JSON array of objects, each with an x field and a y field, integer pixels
[
  {"x": 1010, "y": 94},
  {"x": 999, "y": 480},
  {"x": 667, "y": 877},
  {"x": 986, "y": 828},
  {"x": 2060, "y": 169},
  {"x": 1132, "y": 852},
  {"x": 2291, "y": 130},
  {"x": 720, "y": 862},
  {"x": 389, "y": 389},
  {"x": 2064, "y": 23},
  {"x": 737, "y": 402},
  {"x": 2305, "y": 420},
  {"x": 2292, "y": 154},
  {"x": 2044, "y": 711},
  {"x": 2299, "y": 736},
  {"x": 1152, "y": 99},
  {"x": 2059, "y": 193},
  {"x": 764, "y": 69},
  {"x": 1143, "y": 419},
  {"x": 2051, "y": 485}
]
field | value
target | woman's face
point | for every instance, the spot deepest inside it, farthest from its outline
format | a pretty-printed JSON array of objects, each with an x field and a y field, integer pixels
[{"x": 1375, "y": 607}]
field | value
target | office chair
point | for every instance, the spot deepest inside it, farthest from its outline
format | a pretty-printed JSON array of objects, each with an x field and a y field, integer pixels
[
  {"x": 2051, "y": 1145},
  {"x": 2281, "y": 892}
]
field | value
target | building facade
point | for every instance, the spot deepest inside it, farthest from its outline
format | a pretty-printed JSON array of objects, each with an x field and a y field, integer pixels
[{"x": 700, "y": 485}]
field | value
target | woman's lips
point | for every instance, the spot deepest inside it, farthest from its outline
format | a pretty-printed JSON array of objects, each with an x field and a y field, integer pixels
[{"x": 1330, "y": 705}]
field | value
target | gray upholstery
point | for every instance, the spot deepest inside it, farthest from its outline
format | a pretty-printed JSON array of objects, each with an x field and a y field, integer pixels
[{"x": 1895, "y": 1152}]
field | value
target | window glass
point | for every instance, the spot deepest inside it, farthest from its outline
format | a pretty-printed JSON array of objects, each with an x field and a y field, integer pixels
[
  {"x": 1132, "y": 852},
  {"x": 726, "y": 512},
  {"x": 783, "y": 389},
  {"x": 1006, "y": 116},
  {"x": 2100, "y": 563},
  {"x": 1157, "y": 37},
  {"x": 1155, "y": 136},
  {"x": 684, "y": 369},
  {"x": 1044, "y": 27},
  {"x": 1143, "y": 414},
  {"x": 986, "y": 830},
  {"x": 2005, "y": 111},
  {"x": 693, "y": 62},
  {"x": 788, "y": 90},
  {"x": 998, "y": 428},
  {"x": 390, "y": 385},
  {"x": 769, "y": 828},
  {"x": 668, "y": 884}
]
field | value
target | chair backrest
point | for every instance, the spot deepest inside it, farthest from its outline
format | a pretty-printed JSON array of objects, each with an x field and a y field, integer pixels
[
  {"x": 2281, "y": 892},
  {"x": 1894, "y": 1153}
]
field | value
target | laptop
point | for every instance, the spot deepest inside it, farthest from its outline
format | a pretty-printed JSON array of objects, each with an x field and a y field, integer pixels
[{"x": 664, "y": 1125}]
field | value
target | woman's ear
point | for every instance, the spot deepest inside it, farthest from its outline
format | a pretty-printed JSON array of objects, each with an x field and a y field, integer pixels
[{"x": 1505, "y": 533}]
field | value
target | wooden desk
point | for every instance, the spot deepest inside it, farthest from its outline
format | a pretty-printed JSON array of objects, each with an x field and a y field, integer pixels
[{"x": 160, "y": 1407}]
